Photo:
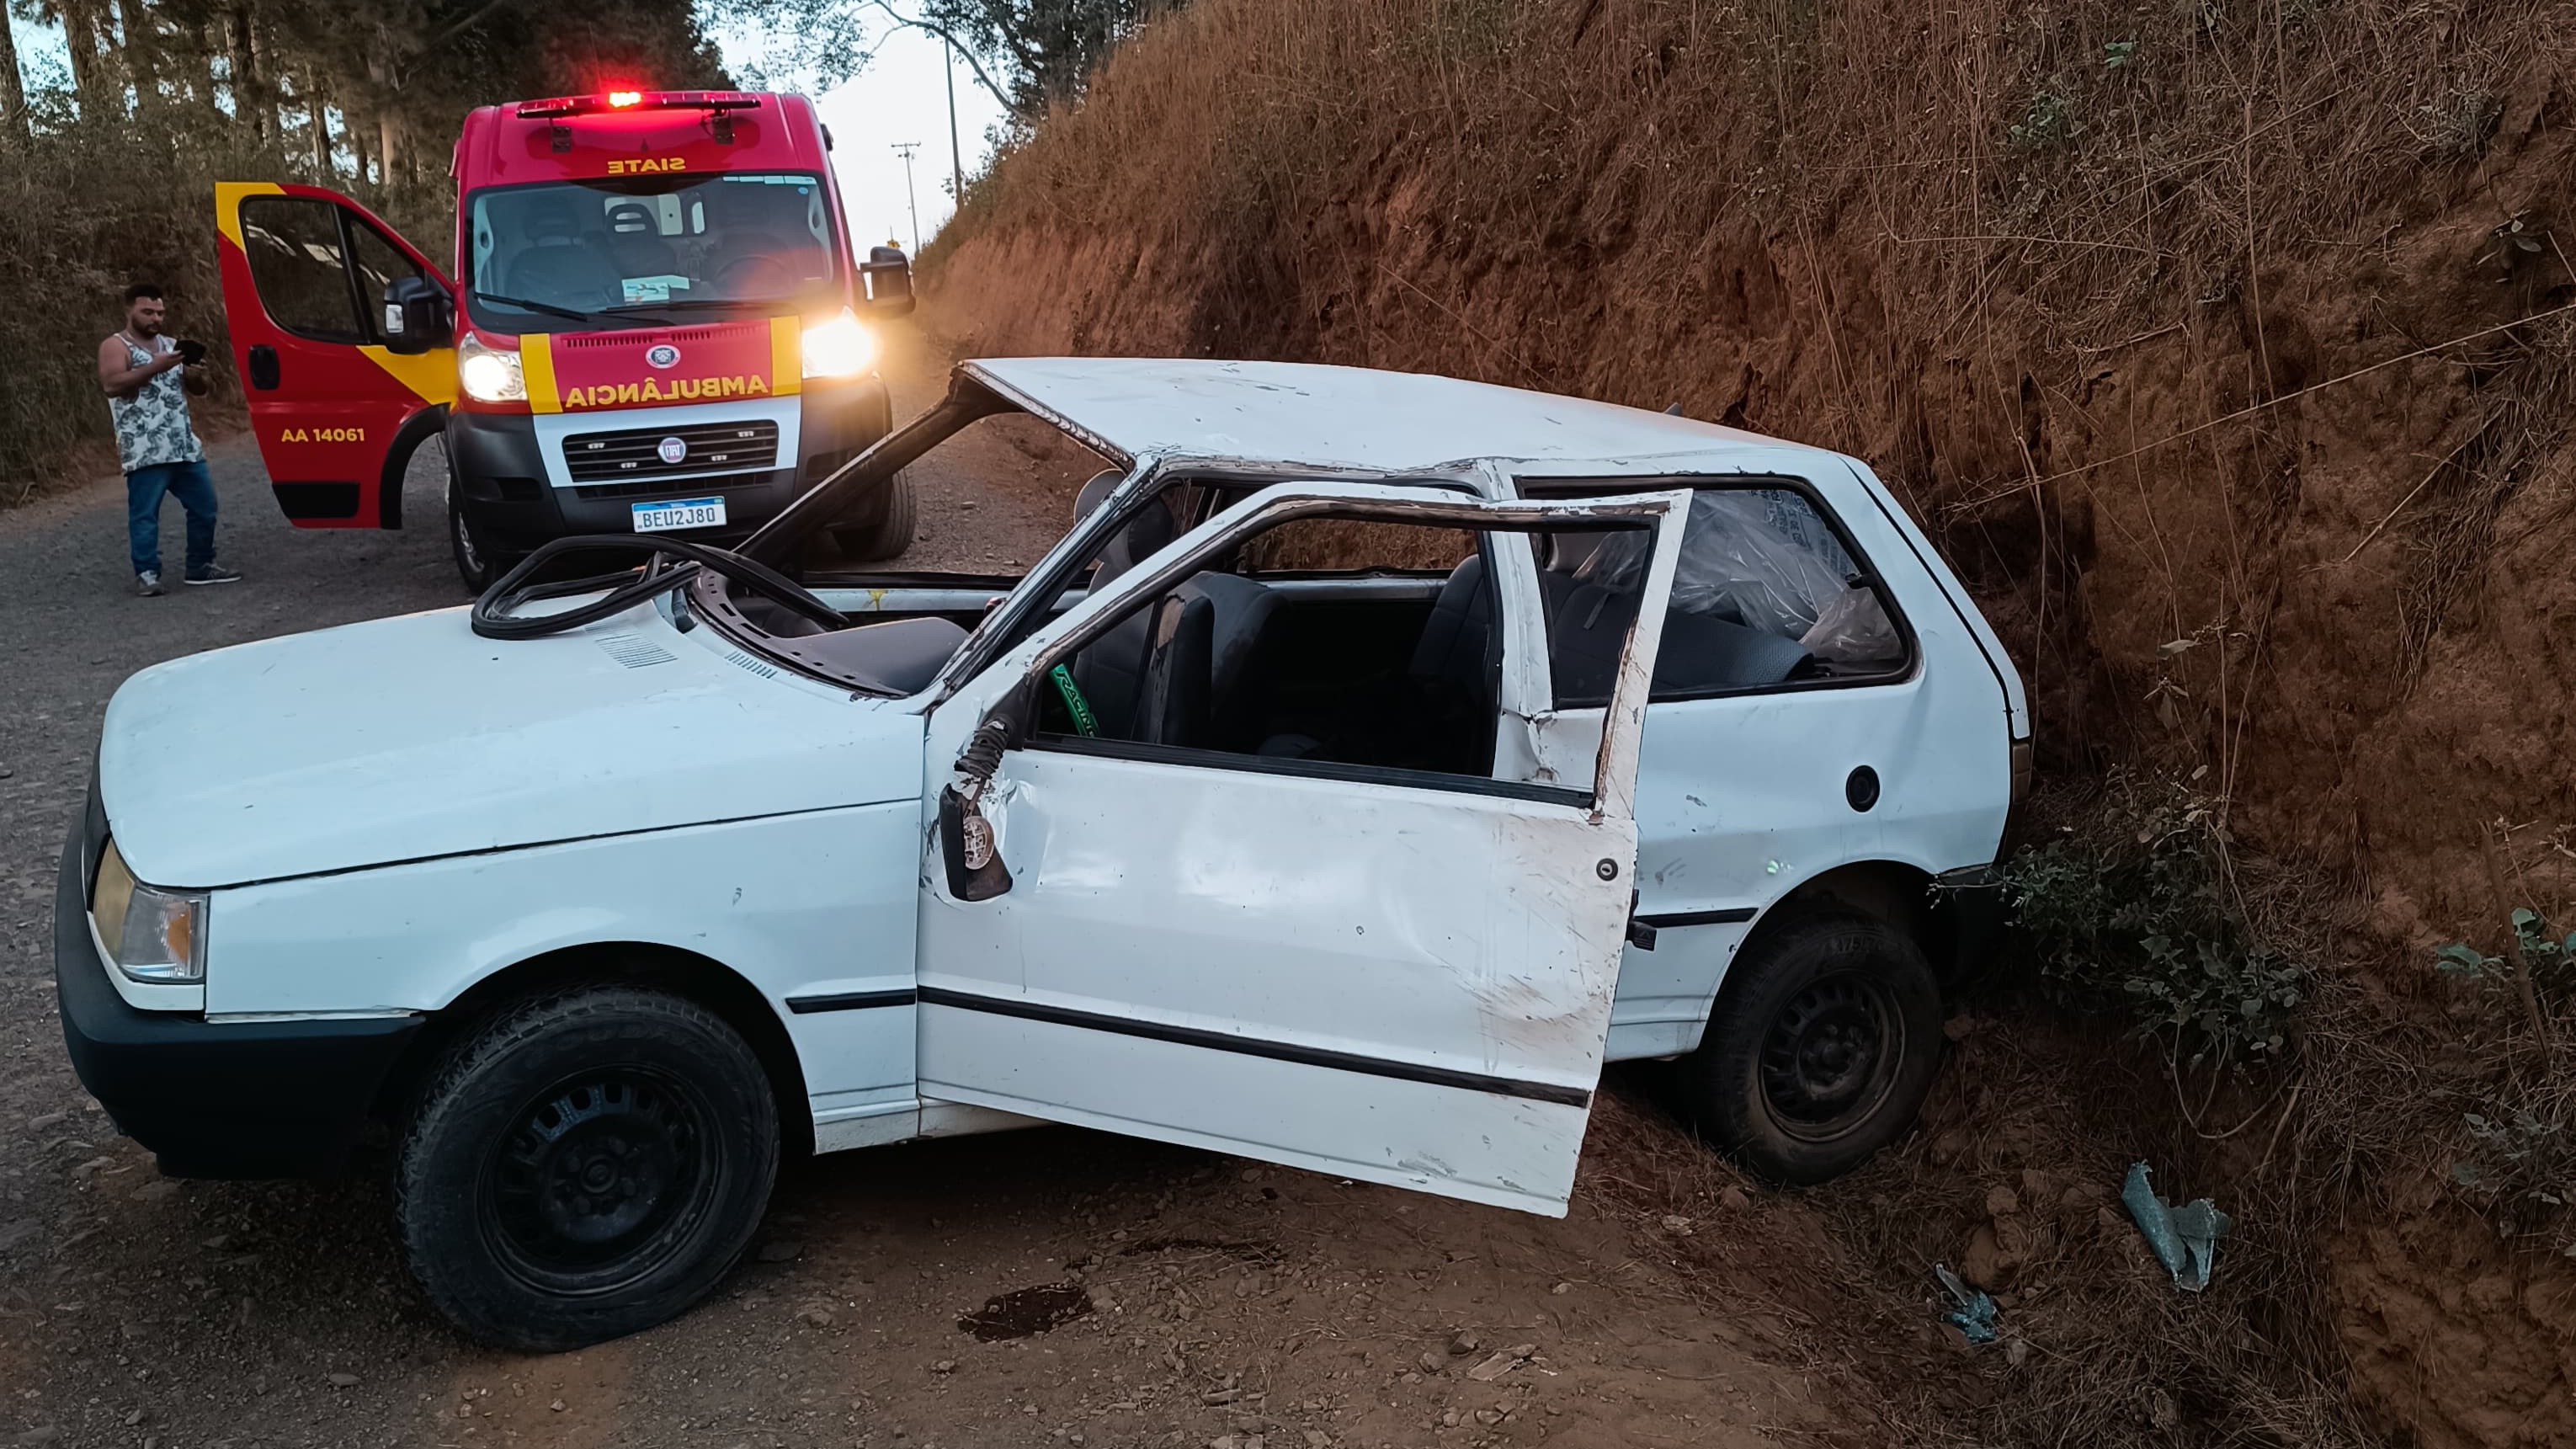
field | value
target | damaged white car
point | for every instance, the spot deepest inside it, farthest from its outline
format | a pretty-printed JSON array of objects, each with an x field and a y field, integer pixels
[{"x": 1316, "y": 799}]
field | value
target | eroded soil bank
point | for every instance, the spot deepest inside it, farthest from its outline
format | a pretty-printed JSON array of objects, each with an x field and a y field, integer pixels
[{"x": 2227, "y": 350}]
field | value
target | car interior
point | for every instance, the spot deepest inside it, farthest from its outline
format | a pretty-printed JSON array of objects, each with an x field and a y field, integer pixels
[{"x": 1335, "y": 640}]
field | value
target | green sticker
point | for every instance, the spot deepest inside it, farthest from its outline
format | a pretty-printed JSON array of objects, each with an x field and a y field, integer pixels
[{"x": 1074, "y": 703}]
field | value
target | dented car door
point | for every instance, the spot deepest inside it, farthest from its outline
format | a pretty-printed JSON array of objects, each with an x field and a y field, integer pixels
[{"x": 1385, "y": 975}]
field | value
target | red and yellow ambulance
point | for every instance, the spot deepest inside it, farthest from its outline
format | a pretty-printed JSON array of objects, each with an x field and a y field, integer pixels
[{"x": 655, "y": 323}]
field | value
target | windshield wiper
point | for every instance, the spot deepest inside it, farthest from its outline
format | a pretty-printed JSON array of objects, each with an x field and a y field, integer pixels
[
  {"x": 548, "y": 308},
  {"x": 700, "y": 303}
]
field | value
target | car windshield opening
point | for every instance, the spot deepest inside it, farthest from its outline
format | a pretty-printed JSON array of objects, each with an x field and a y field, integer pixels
[
  {"x": 945, "y": 582},
  {"x": 613, "y": 252}
]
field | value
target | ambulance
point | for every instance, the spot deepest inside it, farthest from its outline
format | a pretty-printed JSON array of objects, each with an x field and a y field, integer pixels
[{"x": 654, "y": 323}]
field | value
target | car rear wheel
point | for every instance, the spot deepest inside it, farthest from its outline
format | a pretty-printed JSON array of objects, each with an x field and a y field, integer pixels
[
  {"x": 890, "y": 535},
  {"x": 1822, "y": 1047},
  {"x": 586, "y": 1165}
]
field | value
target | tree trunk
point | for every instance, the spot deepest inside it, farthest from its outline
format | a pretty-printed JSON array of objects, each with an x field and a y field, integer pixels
[
  {"x": 320, "y": 126},
  {"x": 141, "y": 46},
  {"x": 201, "y": 67},
  {"x": 13, "y": 91},
  {"x": 253, "y": 106},
  {"x": 95, "y": 73}
]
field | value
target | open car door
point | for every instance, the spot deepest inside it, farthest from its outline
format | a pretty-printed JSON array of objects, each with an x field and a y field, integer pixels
[
  {"x": 1382, "y": 973},
  {"x": 337, "y": 414}
]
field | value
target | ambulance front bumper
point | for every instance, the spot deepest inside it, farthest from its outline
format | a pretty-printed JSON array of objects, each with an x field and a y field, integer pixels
[{"x": 517, "y": 501}]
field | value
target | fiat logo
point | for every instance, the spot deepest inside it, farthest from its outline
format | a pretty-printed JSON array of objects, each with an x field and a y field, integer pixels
[
  {"x": 672, "y": 449},
  {"x": 661, "y": 354}
]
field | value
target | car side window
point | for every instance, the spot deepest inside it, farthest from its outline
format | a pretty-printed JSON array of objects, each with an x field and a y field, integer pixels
[
  {"x": 296, "y": 262},
  {"x": 1301, "y": 675},
  {"x": 1768, "y": 594},
  {"x": 380, "y": 264}
]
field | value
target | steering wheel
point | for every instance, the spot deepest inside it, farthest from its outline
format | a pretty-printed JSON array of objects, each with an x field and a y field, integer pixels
[{"x": 669, "y": 563}]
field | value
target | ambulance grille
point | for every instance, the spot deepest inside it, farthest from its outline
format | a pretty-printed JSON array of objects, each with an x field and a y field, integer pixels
[
  {"x": 634, "y": 454},
  {"x": 592, "y": 341}
]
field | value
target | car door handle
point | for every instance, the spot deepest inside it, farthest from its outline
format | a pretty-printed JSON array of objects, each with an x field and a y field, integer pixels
[{"x": 263, "y": 367}]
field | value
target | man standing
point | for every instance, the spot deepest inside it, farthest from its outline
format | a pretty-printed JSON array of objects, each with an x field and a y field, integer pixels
[{"x": 143, "y": 373}]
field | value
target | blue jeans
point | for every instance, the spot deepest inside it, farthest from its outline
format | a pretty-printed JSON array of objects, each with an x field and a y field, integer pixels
[{"x": 195, "y": 490}]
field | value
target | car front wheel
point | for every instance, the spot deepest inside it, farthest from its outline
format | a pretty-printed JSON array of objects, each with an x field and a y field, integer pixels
[
  {"x": 586, "y": 1165},
  {"x": 1823, "y": 1045},
  {"x": 890, "y": 534},
  {"x": 478, "y": 563}
]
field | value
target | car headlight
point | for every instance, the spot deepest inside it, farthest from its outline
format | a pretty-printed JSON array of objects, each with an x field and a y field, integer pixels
[
  {"x": 152, "y": 935},
  {"x": 489, "y": 374},
  {"x": 838, "y": 348}
]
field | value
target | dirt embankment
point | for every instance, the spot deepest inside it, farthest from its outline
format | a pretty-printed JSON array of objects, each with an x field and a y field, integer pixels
[{"x": 2229, "y": 351}]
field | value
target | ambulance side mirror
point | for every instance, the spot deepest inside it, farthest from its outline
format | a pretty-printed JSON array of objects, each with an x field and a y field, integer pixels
[
  {"x": 419, "y": 317},
  {"x": 888, "y": 275}
]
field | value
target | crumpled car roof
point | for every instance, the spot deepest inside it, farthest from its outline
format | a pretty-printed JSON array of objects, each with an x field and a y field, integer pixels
[{"x": 1351, "y": 417}]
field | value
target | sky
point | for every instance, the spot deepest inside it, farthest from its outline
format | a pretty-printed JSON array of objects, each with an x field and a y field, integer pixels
[{"x": 901, "y": 95}]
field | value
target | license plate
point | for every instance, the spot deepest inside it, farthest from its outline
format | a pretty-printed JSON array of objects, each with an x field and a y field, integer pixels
[{"x": 679, "y": 513}]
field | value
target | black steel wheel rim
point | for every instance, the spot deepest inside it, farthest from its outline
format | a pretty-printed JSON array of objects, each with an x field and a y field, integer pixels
[
  {"x": 601, "y": 1179},
  {"x": 465, "y": 542},
  {"x": 1831, "y": 1056}
]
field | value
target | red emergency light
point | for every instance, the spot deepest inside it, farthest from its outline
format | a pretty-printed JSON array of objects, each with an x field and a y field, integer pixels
[{"x": 718, "y": 102}]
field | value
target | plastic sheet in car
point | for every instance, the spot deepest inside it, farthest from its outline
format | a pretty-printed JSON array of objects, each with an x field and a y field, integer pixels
[{"x": 1763, "y": 558}]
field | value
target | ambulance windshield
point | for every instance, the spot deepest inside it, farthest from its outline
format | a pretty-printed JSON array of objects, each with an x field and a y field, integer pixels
[{"x": 642, "y": 251}]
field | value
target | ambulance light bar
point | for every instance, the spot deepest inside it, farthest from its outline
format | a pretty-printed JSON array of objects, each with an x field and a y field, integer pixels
[{"x": 718, "y": 102}]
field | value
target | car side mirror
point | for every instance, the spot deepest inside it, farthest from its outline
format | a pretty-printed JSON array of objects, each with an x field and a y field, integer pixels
[
  {"x": 419, "y": 316},
  {"x": 888, "y": 276},
  {"x": 975, "y": 868},
  {"x": 968, "y": 848}
]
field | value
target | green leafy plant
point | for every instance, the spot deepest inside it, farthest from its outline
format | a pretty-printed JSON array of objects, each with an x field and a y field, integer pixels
[
  {"x": 2552, "y": 960},
  {"x": 2134, "y": 913},
  {"x": 2119, "y": 53},
  {"x": 2520, "y": 1165},
  {"x": 2518, "y": 1160},
  {"x": 2048, "y": 122}
]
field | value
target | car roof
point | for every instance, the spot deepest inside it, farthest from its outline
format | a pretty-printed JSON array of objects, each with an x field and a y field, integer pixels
[{"x": 1348, "y": 417}]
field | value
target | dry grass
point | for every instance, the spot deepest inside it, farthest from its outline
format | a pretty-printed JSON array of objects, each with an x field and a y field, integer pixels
[
  {"x": 90, "y": 210},
  {"x": 2175, "y": 307}
]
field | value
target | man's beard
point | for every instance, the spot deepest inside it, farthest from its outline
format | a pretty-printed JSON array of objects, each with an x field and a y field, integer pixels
[{"x": 143, "y": 328}]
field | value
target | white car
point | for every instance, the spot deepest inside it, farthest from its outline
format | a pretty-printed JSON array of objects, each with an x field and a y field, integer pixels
[{"x": 1313, "y": 800}]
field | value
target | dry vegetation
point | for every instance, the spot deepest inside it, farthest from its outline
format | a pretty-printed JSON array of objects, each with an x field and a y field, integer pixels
[
  {"x": 108, "y": 164},
  {"x": 2229, "y": 351}
]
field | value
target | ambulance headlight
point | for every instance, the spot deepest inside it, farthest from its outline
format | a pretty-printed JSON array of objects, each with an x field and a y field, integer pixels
[
  {"x": 838, "y": 348},
  {"x": 489, "y": 374}
]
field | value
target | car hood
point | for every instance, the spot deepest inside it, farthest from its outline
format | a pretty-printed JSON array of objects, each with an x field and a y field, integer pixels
[{"x": 409, "y": 738}]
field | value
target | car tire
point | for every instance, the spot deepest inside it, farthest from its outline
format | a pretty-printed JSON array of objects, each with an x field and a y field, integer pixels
[
  {"x": 1824, "y": 1041},
  {"x": 585, "y": 1165},
  {"x": 891, "y": 534},
  {"x": 478, "y": 563}
]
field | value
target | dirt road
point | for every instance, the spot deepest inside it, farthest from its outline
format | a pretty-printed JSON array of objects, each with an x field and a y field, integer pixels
[{"x": 1202, "y": 1299}]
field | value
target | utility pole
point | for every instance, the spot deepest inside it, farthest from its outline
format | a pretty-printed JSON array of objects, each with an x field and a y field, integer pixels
[
  {"x": 956, "y": 159},
  {"x": 905, "y": 150}
]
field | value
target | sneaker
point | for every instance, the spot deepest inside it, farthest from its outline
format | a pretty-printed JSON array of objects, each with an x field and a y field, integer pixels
[
  {"x": 147, "y": 585},
  {"x": 212, "y": 574}
]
